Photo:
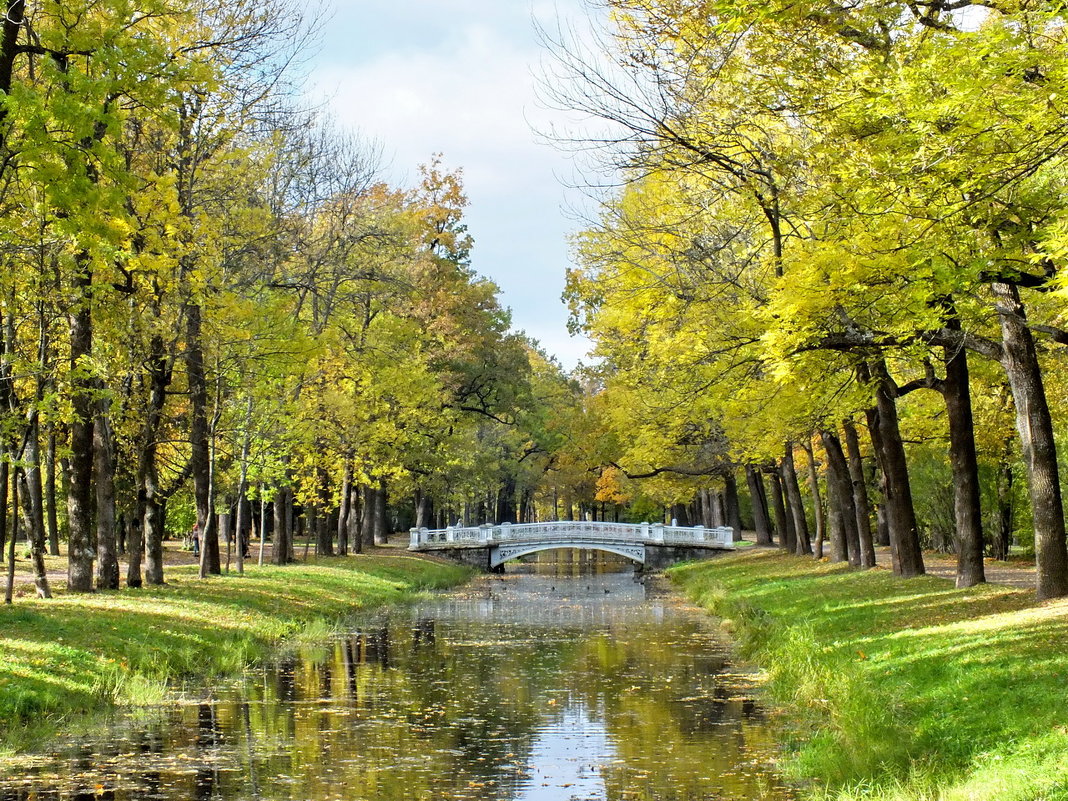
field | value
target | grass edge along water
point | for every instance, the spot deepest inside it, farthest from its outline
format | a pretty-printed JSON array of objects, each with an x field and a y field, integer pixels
[
  {"x": 63, "y": 659},
  {"x": 895, "y": 689}
]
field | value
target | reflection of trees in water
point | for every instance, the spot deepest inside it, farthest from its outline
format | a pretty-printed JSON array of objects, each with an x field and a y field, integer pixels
[
  {"x": 447, "y": 707},
  {"x": 208, "y": 737}
]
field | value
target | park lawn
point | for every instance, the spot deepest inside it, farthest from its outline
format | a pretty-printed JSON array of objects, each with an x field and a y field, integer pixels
[
  {"x": 76, "y": 654},
  {"x": 900, "y": 689}
]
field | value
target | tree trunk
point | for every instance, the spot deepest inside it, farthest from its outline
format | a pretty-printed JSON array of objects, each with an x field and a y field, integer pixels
[
  {"x": 838, "y": 477},
  {"x": 263, "y": 523},
  {"x": 354, "y": 518},
  {"x": 999, "y": 548},
  {"x": 324, "y": 536},
  {"x": 424, "y": 512},
  {"x": 1035, "y": 426},
  {"x": 817, "y": 501},
  {"x": 81, "y": 549},
  {"x": 381, "y": 536},
  {"x": 149, "y": 500},
  {"x": 784, "y": 524},
  {"x": 107, "y": 564},
  {"x": 50, "y": 494},
  {"x": 678, "y": 513},
  {"x": 506, "y": 501},
  {"x": 367, "y": 519},
  {"x": 967, "y": 514},
  {"x": 860, "y": 494},
  {"x": 835, "y": 525},
  {"x": 761, "y": 521},
  {"x": 135, "y": 545},
  {"x": 803, "y": 545},
  {"x": 732, "y": 508},
  {"x": 35, "y": 496},
  {"x": 900, "y": 512},
  {"x": 343, "y": 512},
  {"x": 9, "y": 590},
  {"x": 200, "y": 442},
  {"x": 282, "y": 533}
]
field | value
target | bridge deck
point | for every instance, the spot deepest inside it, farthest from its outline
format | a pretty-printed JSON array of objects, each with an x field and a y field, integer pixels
[{"x": 571, "y": 534}]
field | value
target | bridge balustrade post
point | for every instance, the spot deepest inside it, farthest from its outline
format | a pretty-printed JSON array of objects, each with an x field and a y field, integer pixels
[
  {"x": 699, "y": 533},
  {"x": 414, "y": 545},
  {"x": 506, "y": 531},
  {"x": 450, "y": 534},
  {"x": 485, "y": 533},
  {"x": 645, "y": 531},
  {"x": 658, "y": 532}
]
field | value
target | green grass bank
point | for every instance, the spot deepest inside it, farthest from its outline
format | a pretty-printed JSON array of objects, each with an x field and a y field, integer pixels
[
  {"x": 896, "y": 689},
  {"x": 77, "y": 654}
]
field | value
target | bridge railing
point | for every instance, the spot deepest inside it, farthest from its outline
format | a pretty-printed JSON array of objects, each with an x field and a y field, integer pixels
[{"x": 651, "y": 533}]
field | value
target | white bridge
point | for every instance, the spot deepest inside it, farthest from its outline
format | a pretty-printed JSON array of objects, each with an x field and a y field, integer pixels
[{"x": 510, "y": 541}]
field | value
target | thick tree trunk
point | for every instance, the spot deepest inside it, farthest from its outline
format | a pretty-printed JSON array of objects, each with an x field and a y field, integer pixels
[
  {"x": 967, "y": 514},
  {"x": 900, "y": 512},
  {"x": 679, "y": 513},
  {"x": 149, "y": 500},
  {"x": 802, "y": 546},
  {"x": 732, "y": 509},
  {"x": 784, "y": 524},
  {"x": 704, "y": 498},
  {"x": 200, "y": 441},
  {"x": 839, "y": 479},
  {"x": 107, "y": 560},
  {"x": 860, "y": 495},
  {"x": 153, "y": 530},
  {"x": 1035, "y": 426},
  {"x": 424, "y": 512},
  {"x": 324, "y": 536},
  {"x": 506, "y": 502},
  {"x": 835, "y": 525},
  {"x": 80, "y": 547},
  {"x": 761, "y": 521},
  {"x": 35, "y": 496},
  {"x": 135, "y": 545},
  {"x": 367, "y": 518},
  {"x": 381, "y": 534},
  {"x": 817, "y": 501}
]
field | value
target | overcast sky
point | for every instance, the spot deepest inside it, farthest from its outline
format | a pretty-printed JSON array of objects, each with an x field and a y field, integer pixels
[{"x": 458, "y": 77}]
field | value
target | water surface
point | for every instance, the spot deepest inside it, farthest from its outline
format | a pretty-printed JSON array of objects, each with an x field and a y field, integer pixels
[{"x": 515, "y": 688}]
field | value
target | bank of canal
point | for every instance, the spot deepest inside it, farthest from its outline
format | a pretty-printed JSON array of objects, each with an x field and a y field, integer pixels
[{"x": 523, "y": 687}]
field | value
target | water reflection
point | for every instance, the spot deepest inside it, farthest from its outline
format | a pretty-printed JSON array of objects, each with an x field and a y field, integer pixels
[{"x": 522, "y": 688}]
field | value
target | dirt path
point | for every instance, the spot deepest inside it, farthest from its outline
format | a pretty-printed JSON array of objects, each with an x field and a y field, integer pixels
[{"x": 1011, "y": 573}]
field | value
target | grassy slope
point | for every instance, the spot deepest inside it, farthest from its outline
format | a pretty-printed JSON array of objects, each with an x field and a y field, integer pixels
[
  {"x": 75, "y": 654},
  {"x": 895, "y": 689}
]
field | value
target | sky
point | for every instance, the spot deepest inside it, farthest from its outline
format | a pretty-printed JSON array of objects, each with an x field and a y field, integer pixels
[{"x": 458, "y": 77}]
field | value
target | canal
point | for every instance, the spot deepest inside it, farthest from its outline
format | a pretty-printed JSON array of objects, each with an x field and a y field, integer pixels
[{"x": 555, "y": 685}]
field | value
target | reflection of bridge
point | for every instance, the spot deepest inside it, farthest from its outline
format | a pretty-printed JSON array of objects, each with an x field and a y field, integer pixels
[{"x": 649, "y": 544}]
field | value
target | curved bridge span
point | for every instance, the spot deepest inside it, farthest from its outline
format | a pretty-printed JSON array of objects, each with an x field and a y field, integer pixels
[{"x": 648, "y": 544}]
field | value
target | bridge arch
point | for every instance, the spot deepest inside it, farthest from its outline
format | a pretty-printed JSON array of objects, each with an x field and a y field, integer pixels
[{"x": 500, "y": 554}]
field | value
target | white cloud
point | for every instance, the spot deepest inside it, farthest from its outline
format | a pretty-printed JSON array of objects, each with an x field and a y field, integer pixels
[{"x": 463, "y": 84}]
